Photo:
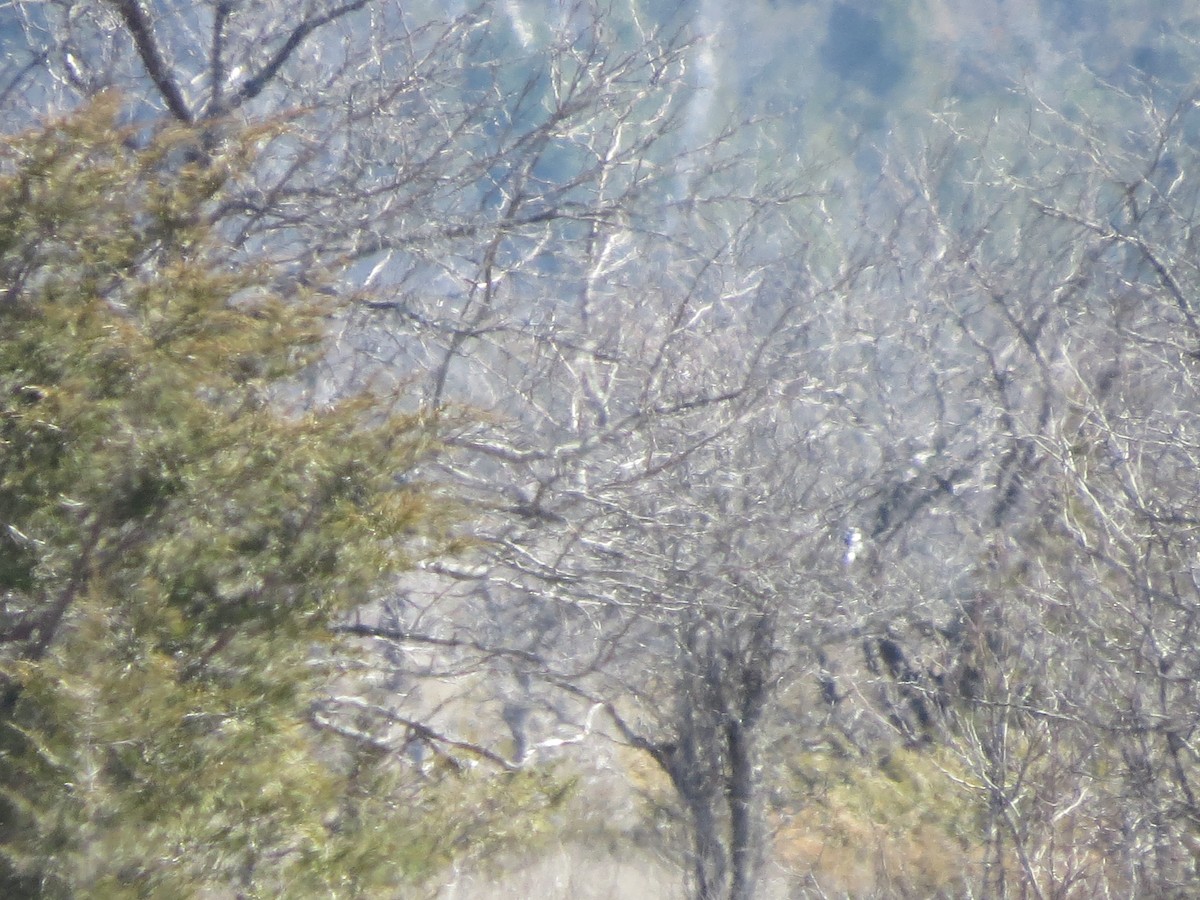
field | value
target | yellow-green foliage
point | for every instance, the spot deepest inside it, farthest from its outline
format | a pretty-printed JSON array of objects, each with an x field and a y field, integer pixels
[
  {"x": 900, "y": 826},
  {"x": 172, "y": 542}
]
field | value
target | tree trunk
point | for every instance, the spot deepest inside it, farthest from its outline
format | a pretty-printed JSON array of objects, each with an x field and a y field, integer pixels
[{"x": 745, "y": 850}]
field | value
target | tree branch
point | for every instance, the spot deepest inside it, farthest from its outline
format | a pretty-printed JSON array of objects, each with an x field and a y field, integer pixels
[
  {"x": 142, "y": 33},
  {"x": 417, "y": 729},
  {"x": 254, "y": 85}
]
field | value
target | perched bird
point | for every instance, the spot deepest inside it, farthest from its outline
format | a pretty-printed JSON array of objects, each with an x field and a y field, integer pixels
[{"x": 853, "y": 540}]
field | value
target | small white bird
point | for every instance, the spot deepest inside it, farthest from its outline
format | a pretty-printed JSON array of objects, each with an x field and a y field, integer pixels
[{"x": 854, "y": 541}]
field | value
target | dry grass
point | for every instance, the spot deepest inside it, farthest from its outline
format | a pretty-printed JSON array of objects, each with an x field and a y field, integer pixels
[{"x": 571, "y": 872}]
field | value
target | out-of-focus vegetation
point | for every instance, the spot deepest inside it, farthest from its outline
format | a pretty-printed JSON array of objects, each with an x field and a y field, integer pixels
[
  {"x": 814, "y": 385},
  {"x": 176, "y": 543}
]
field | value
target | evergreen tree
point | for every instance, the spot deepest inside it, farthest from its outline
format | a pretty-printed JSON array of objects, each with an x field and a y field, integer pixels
[{"x": 175, "y": 539}]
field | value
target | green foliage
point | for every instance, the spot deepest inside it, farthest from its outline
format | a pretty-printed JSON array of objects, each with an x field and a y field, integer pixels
[
  {"x": 174, "y": 540},
  {"x": 900, "y": 825}
]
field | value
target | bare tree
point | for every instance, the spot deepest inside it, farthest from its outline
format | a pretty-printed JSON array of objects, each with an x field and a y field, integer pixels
[
  {"x": 538, "y": 237},
  {"x": 751, "y": 451},
  {"x": 1062, "y": 281}
]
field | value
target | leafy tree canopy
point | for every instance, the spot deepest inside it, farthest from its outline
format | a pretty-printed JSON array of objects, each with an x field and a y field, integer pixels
[{"x": 175, "y": 538}]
